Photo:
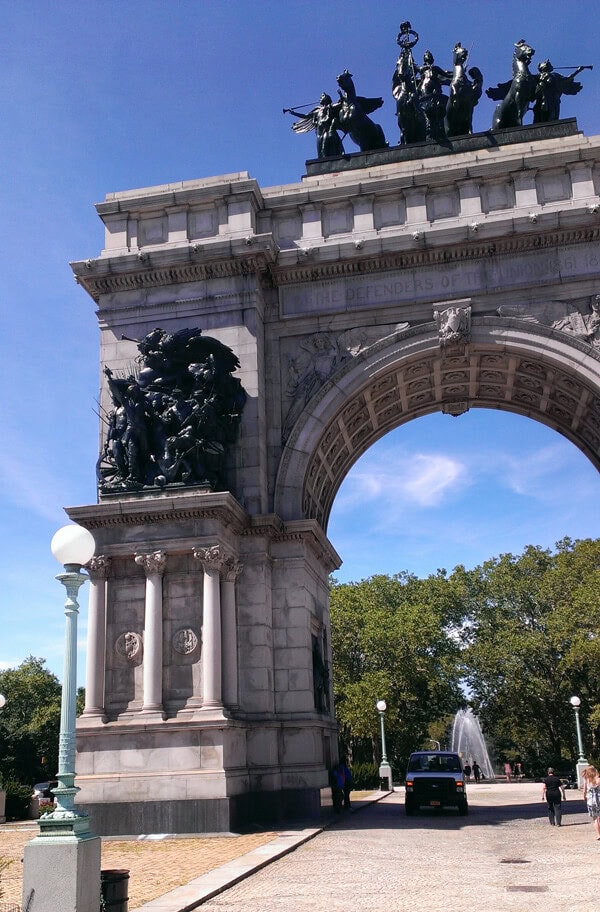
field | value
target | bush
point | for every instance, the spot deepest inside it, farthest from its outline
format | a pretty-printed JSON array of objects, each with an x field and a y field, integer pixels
[
  {"x": 365, "y": 776},
  {"x": 18, "y": 797}
]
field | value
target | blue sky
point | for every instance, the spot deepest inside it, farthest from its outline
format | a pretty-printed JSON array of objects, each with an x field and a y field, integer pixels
[{"x": 112, "y": 95}]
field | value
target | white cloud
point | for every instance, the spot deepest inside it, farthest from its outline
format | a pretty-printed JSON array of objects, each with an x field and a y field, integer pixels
[{"x": 420, "y": 479}]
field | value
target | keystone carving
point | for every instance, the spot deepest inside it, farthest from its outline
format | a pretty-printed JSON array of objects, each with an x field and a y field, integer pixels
[{"x": 453, "y": 324}]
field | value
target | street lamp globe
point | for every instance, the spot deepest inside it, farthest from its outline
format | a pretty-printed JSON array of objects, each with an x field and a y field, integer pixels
[
  {"x": 381, "y": 706},
  {"x": 575, "y": 702},
  {"x": 2, "y": 701},
  {"x": 73, "y": 546}
]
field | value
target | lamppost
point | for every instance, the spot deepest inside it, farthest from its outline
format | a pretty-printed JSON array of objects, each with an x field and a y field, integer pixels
[
  {"x": 581, "y": 761},
  {"x": 2, "y": 792},
  {"x": 65, "y": 842},
  {"x": 385, "y": 770},
  {"x": 437, "y": 743}
]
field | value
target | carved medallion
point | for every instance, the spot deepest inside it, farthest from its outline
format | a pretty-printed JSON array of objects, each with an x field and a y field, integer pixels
[
  {"x": 185, "y": 641},
  {"x": 128, "y": 645}
]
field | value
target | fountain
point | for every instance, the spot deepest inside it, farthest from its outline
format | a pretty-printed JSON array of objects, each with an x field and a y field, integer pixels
[{"x": 468, "y": 741}]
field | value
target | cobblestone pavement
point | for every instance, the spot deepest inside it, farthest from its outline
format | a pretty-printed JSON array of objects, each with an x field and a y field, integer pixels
[
  {"x": 155, "y": 867},
  {"x": 503, "y": 857}
]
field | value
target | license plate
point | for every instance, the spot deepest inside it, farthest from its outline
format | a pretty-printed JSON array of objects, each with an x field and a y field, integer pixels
[{"x": 435, "y": 804}]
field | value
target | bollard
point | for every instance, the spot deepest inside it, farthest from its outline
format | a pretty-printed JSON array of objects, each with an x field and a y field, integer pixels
[{"x": 113, "y": 891}]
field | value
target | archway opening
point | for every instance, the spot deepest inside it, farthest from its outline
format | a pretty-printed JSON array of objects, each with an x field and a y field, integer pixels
[{"x": 439, "y": 491}]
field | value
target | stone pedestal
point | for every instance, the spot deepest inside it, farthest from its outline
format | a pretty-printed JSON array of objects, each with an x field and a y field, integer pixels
[
  {"x": 211, "y": 713},
  {"x": 63, "y": 872}
]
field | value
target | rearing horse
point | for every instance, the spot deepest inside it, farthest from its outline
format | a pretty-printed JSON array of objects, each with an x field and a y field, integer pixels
[
  {"x": 352, "y": 115},
  {"x": 464, "y": 94},
  {"x": 411, "y": 119},
  {"x": 516, "y": 95}
]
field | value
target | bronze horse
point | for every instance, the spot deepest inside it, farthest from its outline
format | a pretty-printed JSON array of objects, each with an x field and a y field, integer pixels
[
  {"x": 352, "y": 115},
  {"x": 464, "y": 94},
  {"x": 516, "y": 95}
]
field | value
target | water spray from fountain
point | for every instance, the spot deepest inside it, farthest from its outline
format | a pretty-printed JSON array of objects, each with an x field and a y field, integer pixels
[{"x": 468, "y": 741}]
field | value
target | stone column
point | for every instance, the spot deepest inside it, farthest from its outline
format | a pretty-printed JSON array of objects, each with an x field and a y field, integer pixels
[
  {"x": 98, "y": 569},
  {"x": 232, "y": 569},
  {"x": 154, "y": 568},
  {"x": 212, "y": 560}
]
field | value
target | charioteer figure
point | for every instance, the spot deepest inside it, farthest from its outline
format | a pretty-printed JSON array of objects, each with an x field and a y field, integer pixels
[
  {"x": 324, "y": 120},
  {"x": 550, "y": 88}
]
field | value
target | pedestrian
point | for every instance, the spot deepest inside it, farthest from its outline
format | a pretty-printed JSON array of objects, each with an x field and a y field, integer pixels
[
  {"x": 518, "y": 771},
  {"x": 476, "y": 771},
  {"x": 336, "y": 780},
  {"x": 591, "y": 795},
  {"x": 347, "y": 783},
  {"x": 467, "y": 771},
  {"x": 507, "y": 771},
  {"x": 552, "y": 792}
]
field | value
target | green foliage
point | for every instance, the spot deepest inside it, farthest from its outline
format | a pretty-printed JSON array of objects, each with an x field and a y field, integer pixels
[
  {"x": 29, "y": 722},
  {"x": 531, "y": 641},
  {"x": 391, "y": 639},
  {"x": 18, "y": 797},
  {"x": 365, "y": 776}
]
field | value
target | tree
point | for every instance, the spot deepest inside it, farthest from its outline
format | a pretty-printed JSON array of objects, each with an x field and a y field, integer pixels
[
  {"x": 391, "y": 639},
  {"x": 29, "y": 722},
  {"x": 530, "y": 642}
]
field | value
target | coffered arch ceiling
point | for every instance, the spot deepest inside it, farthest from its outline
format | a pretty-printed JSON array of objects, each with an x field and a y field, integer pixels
[{"x": 527, "y": 369}]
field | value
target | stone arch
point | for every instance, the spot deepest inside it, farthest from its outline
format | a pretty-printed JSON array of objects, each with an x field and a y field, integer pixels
[{"x": 525, "y": 368}]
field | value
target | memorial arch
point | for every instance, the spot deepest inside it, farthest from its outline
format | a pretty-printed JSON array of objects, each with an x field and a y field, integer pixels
[
  {"x": 502, "y": 366},
  {"x": 382, "y": 286}
]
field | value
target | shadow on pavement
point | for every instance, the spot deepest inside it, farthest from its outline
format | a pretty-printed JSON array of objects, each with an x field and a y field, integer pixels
[{"x": 391, "y": 815}]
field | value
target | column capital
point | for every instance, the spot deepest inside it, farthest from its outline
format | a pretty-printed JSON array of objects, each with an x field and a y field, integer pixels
[
  {"x": 98, "y": 568},
  {"x": 232, "y": 568},
  {"x": 153, "y": 563},
  {"x": 212, "y": 559}
]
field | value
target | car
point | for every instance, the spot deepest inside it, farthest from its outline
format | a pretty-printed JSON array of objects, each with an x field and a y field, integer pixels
[
  {"x": 435, "y": 779},
  {"x": 43, "y": 790}
]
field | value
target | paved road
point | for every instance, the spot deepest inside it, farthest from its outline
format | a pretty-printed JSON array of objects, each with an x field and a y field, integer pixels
[{"x": 503, "y": 857}]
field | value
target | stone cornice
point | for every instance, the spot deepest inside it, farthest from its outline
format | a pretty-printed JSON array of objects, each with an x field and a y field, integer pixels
[
  {"x": 176, "y": 265},
  {"x": 148, "y": 509},
  {"x": 432, "y": 256}
]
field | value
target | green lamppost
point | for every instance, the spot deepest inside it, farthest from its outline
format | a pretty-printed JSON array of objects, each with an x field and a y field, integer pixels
[
  {"x": 385, "y": 770},
  {"x": 2, "y": 792},
  {"x": 61, "y": 866},
  {"x": 581, "y": 760}
]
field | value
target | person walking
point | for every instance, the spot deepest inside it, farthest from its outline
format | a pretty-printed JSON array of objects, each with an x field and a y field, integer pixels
[
  {"x": 507, "y": 771},
  {"x": 467, "y": 771},
  {"x": 552, "y": 792},
  {"x": 591, "y": 795},
  {"x": 476, "y": 771},
  {"x": 347, "y": 783}
]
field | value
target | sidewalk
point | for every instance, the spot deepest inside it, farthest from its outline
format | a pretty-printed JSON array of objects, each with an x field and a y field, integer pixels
[{"x": 173, "y": 873}]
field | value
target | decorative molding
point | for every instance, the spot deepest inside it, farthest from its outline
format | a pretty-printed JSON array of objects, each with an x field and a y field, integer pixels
[{"x": 453, "y": 324}]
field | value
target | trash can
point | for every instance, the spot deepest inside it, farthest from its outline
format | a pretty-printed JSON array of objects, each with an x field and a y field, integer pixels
[{"x": 113, "y": 890}]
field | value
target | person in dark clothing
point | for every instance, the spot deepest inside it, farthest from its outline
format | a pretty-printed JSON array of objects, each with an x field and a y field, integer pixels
[
  {"x": 347, "y": 783},
  {"x": 476, "y": 771},
  {"x": 553, "y": 791},
  {"x": 467, "y": 771}
]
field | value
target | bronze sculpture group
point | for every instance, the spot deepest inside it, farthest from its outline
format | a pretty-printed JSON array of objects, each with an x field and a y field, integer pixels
[
  {"x": 424, "y": 111},
  {"x": 174, "y": 416}
]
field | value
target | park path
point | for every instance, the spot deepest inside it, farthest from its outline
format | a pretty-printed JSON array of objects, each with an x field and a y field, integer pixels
[{"x": 503, "y": 857}]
